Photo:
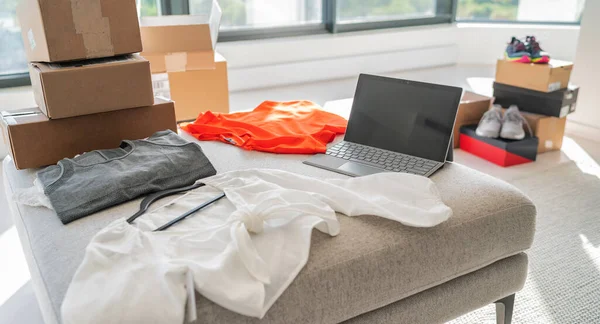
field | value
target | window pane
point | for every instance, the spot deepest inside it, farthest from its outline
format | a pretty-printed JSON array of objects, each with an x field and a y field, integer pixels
[
  {"x": 264, "y": 13},
  {"x": 521, "y": 10},
  {"x": 148, "y": 8},
  {"x": 380, "y": 10},
  {"x": 12, "y": 55}
]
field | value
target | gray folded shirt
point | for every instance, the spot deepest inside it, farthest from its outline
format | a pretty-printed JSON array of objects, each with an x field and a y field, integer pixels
[{"x": 99, "y": 179}]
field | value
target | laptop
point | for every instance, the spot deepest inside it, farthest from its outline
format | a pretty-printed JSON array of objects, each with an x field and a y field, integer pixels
[{"x": 395, "y": 125}]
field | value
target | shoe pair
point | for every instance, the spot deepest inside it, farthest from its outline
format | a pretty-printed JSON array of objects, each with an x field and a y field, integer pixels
[
  {"x": 510, "y": 126},
  {"x": 527, "y": 52}
]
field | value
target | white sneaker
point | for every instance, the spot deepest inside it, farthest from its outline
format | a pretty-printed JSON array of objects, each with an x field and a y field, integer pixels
[
  {"x": 490, "y": 123},
  {"x": 512, "y": 124}
]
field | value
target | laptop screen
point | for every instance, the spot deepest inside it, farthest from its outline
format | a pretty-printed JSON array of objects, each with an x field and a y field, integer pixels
[{"x": 403, "y": 116}]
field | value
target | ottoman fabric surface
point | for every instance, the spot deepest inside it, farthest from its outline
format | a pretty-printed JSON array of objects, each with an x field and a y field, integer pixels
[{"x": 372, "y": 263}]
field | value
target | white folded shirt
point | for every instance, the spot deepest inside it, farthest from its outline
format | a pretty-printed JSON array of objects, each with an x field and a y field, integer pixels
[{"x": 241, "y": 252}]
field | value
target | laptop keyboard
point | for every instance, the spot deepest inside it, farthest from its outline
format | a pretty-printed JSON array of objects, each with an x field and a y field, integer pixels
[{"x": 383, "y": 159}]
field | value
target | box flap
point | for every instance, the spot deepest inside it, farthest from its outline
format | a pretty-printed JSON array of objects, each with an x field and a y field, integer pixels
[
  {"x": 469, "y": 97},
  {"x": 182, "y": 33},
  {"x": 91, "y": 63},
  {"x": 23, "y": 116},
  {"x": 554, "y": 64},
  {"x": 35, "y": 74}
]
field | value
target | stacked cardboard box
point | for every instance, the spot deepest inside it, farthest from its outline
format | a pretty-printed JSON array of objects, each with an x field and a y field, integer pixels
[
  {"x": 185, "y": 66},
  {"x": 544, "y": 96},
  {"x": 92, "y": 91}
]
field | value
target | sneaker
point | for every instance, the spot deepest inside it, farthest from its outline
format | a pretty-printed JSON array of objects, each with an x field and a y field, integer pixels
[
  {"x": 516, "y": 51},
  {"x": 490, "y": 123},
  {"x": 537, "y": 54},
  {"x": 512, "y": 124}
]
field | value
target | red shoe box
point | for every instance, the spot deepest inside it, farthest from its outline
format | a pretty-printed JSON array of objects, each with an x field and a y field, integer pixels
[{"x": 500, "y": 151}]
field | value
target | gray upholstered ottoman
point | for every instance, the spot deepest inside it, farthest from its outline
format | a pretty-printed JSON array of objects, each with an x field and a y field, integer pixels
[{"x": 375, "y": 271}]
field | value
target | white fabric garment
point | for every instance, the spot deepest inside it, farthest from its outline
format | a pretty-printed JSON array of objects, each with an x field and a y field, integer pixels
[
  {"x": 32, "y": 196},
  {"x": 241, "y": 252}
]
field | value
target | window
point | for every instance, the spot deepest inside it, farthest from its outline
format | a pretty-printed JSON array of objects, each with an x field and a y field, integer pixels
[
  {"x": 373, "y": 10},
  {"x": 348, "y": 15},
  {"x": 554, "y": 11},
  {"x": 252, "y": 19},
  {"x": 148, "y": 8},
  {"x": 12, "y": 55},
  {"x": 245, "y": 14}
]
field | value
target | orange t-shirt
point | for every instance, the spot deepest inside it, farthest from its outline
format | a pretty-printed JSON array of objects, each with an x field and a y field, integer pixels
[{"x": 277, "y": 127}]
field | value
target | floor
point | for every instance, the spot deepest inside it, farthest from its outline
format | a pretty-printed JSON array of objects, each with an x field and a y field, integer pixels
[{"x": 17, "y": 299}]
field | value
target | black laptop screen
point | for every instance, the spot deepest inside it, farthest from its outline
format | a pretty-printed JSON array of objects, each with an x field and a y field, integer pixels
[{"x": 403, "y": 116}]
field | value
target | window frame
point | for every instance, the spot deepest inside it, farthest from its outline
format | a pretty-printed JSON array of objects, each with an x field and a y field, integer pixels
[
  {"x": 444, "y": 15},
  {"x": 517, "y": 22},
  {"x": 14, "y": 80},
  {"x": 446, "y": 11}
]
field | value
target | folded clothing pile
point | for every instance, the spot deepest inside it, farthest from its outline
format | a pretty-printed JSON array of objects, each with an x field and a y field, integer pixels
[{"x": 99, "y": 179}]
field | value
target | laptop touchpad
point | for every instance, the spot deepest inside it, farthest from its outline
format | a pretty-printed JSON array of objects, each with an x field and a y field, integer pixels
[{"x": 358, "y": 169}]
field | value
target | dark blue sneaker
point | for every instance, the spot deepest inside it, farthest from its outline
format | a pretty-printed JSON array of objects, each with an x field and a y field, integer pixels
[
  {"x": 516, "y": 51},
  {"x": 537, "y": 54}
]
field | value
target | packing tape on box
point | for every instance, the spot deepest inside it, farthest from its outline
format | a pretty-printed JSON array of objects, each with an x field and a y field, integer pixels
[
  {"x": 93, "y": 27},
  {"x": 176, "y": 62}
]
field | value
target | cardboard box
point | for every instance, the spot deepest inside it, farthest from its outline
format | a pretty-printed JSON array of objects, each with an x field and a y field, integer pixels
[
  {"x": 36, "y": 141},
  {"x": 558, "y": 103},
  {"x": 65, "y": 30},
  {"x": 182, "y": 61},
  {"x": 549, "y": 130},
  {"x": 196, "y": 91},
  {"x": 181, "y": 43},
  {"x": 541, "y": 77},
  {"x": 87, "y": 87},
  {"x": 471, "y": 109},
  {"x": 498, "y": 150}
]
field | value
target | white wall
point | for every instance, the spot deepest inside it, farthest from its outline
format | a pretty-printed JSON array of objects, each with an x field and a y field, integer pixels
[
  {"x": 550, "y": 10},
  {"x": 484, "y": 43},
  {"x": 285, "y": 61},
  {"x": 294, "y": 60},
  {"x": 586, "y": 120}
]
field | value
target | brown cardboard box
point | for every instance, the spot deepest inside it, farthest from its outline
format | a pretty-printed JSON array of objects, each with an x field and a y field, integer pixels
[
  {"x": 181, "y": 43},
  {"x": 201, "y": 90},
  {"x": 471, "y": 109},
  {"x": 36, "y": 141},
  {"x": 541, "y": 77},
  {"x": 86, "y": 87},
  {"x": 181, "y": 61},
  {"x": 549, "y": 130},
  {"x": 65, "y": 30}
]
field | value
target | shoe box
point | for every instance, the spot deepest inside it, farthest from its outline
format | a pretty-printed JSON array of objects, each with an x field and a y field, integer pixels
[
  {"x": 499, "y": 151},
  {"x": 548, "y": 129},
  {"x": 539, "y": 77},
  {"x": 65, "y": 30},
  {"x": 557, "y": 103},
  {"x": 196, "y": 91},
  {"x": 77, "y": 88},
  {"x": 36, "y": 141},
  {"x": 471, "y": 109},
  {"x": 181, "y": 43}
]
